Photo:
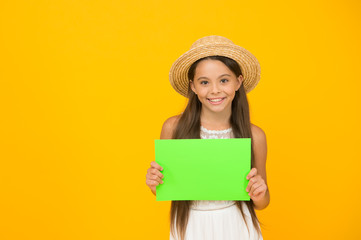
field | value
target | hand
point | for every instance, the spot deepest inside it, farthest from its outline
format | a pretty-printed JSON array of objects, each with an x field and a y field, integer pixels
[
  {"x": 154, "y": 176},
  {"x": 256, "y": 187}
]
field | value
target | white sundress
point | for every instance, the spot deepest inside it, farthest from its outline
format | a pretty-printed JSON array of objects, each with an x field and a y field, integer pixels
[{"x": 218, "y": 220}]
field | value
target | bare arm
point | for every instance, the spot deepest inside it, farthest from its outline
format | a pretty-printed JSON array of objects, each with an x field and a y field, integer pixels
[
  {"x": 154, "y": 171},
  {"x": 257, "y": 187}
]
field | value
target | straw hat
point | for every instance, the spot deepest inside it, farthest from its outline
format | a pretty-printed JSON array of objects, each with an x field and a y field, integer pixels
[{"x": 209, "y": 46}]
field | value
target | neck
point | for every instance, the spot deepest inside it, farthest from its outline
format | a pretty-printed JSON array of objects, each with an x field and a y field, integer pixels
[{"x": 214, "y": 120}]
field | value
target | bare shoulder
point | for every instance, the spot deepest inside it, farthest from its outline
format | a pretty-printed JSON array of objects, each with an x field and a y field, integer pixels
[
  {"x": 169, "y": 126},
  {"x": 260, "y": 150},
  {"x": 258, "y": 134}
]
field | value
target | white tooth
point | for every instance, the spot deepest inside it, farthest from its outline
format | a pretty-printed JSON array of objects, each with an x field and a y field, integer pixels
[{"x": 215, "y": 100}]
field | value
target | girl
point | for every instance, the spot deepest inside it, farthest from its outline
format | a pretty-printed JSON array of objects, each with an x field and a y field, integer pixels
[{"x": 215, "y": 75}]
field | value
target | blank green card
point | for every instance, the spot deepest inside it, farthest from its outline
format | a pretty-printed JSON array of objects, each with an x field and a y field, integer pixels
[{"x": 203, "y": 169}]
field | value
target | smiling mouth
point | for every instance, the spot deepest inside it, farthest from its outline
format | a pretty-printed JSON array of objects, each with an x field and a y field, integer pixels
[{"x": 215, "y": 99}]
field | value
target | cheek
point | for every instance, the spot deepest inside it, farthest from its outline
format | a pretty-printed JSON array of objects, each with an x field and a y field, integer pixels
[
  {"x": 231, "y": 91},
  {"x": 202, "y": 93}
]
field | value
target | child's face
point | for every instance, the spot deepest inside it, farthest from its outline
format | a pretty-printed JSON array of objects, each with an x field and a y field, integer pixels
[{"x": 215, "y": 85}]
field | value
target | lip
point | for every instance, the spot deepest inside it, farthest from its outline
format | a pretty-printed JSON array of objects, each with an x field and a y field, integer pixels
[{"x": 215, "y": 103}]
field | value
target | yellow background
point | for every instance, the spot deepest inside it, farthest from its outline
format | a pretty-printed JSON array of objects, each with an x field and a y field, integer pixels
[{"x": 84, "y": 92}]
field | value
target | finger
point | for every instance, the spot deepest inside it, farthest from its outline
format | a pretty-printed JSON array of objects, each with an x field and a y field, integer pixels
[
  {"x": 153, "y": 170},
  {"x": 156, "y": 166},
  {"x": 252, "y": 173},
  {"x": 252, "y": 181},
  {"x": 260, "y": 190},
  {"x": 156, "y": 178},
  {"x": 156, "y": 172},
  {"x": 152, "y": 183},
  {"x": 153, "y": 176},
  {"x": 254, "y": 187},
  {"x": 256, "y": 180}
]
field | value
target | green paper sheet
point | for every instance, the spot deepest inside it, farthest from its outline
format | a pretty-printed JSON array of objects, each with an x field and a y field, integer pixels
[{"x": 203, "y": 169}]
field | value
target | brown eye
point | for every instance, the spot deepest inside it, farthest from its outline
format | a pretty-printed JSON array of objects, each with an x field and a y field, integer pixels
[{"x": 224, "y": 80}]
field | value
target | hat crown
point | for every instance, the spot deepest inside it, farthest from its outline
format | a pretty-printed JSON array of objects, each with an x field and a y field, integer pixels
[{"x": 211, "y": 40}]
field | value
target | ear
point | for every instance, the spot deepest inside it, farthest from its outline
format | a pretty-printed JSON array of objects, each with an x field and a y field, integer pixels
[
  {"x": 192, "y": 87},
  {"x": 239, "y": 82}
]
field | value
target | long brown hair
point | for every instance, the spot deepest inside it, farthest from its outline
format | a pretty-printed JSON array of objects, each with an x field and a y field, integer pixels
[{"x": 188, "y": 127}]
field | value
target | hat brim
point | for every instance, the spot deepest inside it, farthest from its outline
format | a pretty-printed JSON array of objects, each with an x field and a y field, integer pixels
[{"x": 250, "y": 67}]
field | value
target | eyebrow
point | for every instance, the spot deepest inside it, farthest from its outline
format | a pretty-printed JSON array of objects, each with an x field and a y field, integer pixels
[{"x": 218, "y": 77}]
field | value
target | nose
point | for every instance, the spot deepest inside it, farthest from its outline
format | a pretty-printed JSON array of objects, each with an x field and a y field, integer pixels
[{"x": 215, "y": 89}]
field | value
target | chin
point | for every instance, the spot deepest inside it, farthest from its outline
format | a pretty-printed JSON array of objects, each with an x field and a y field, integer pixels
[{"x": 217, "y": 109}]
